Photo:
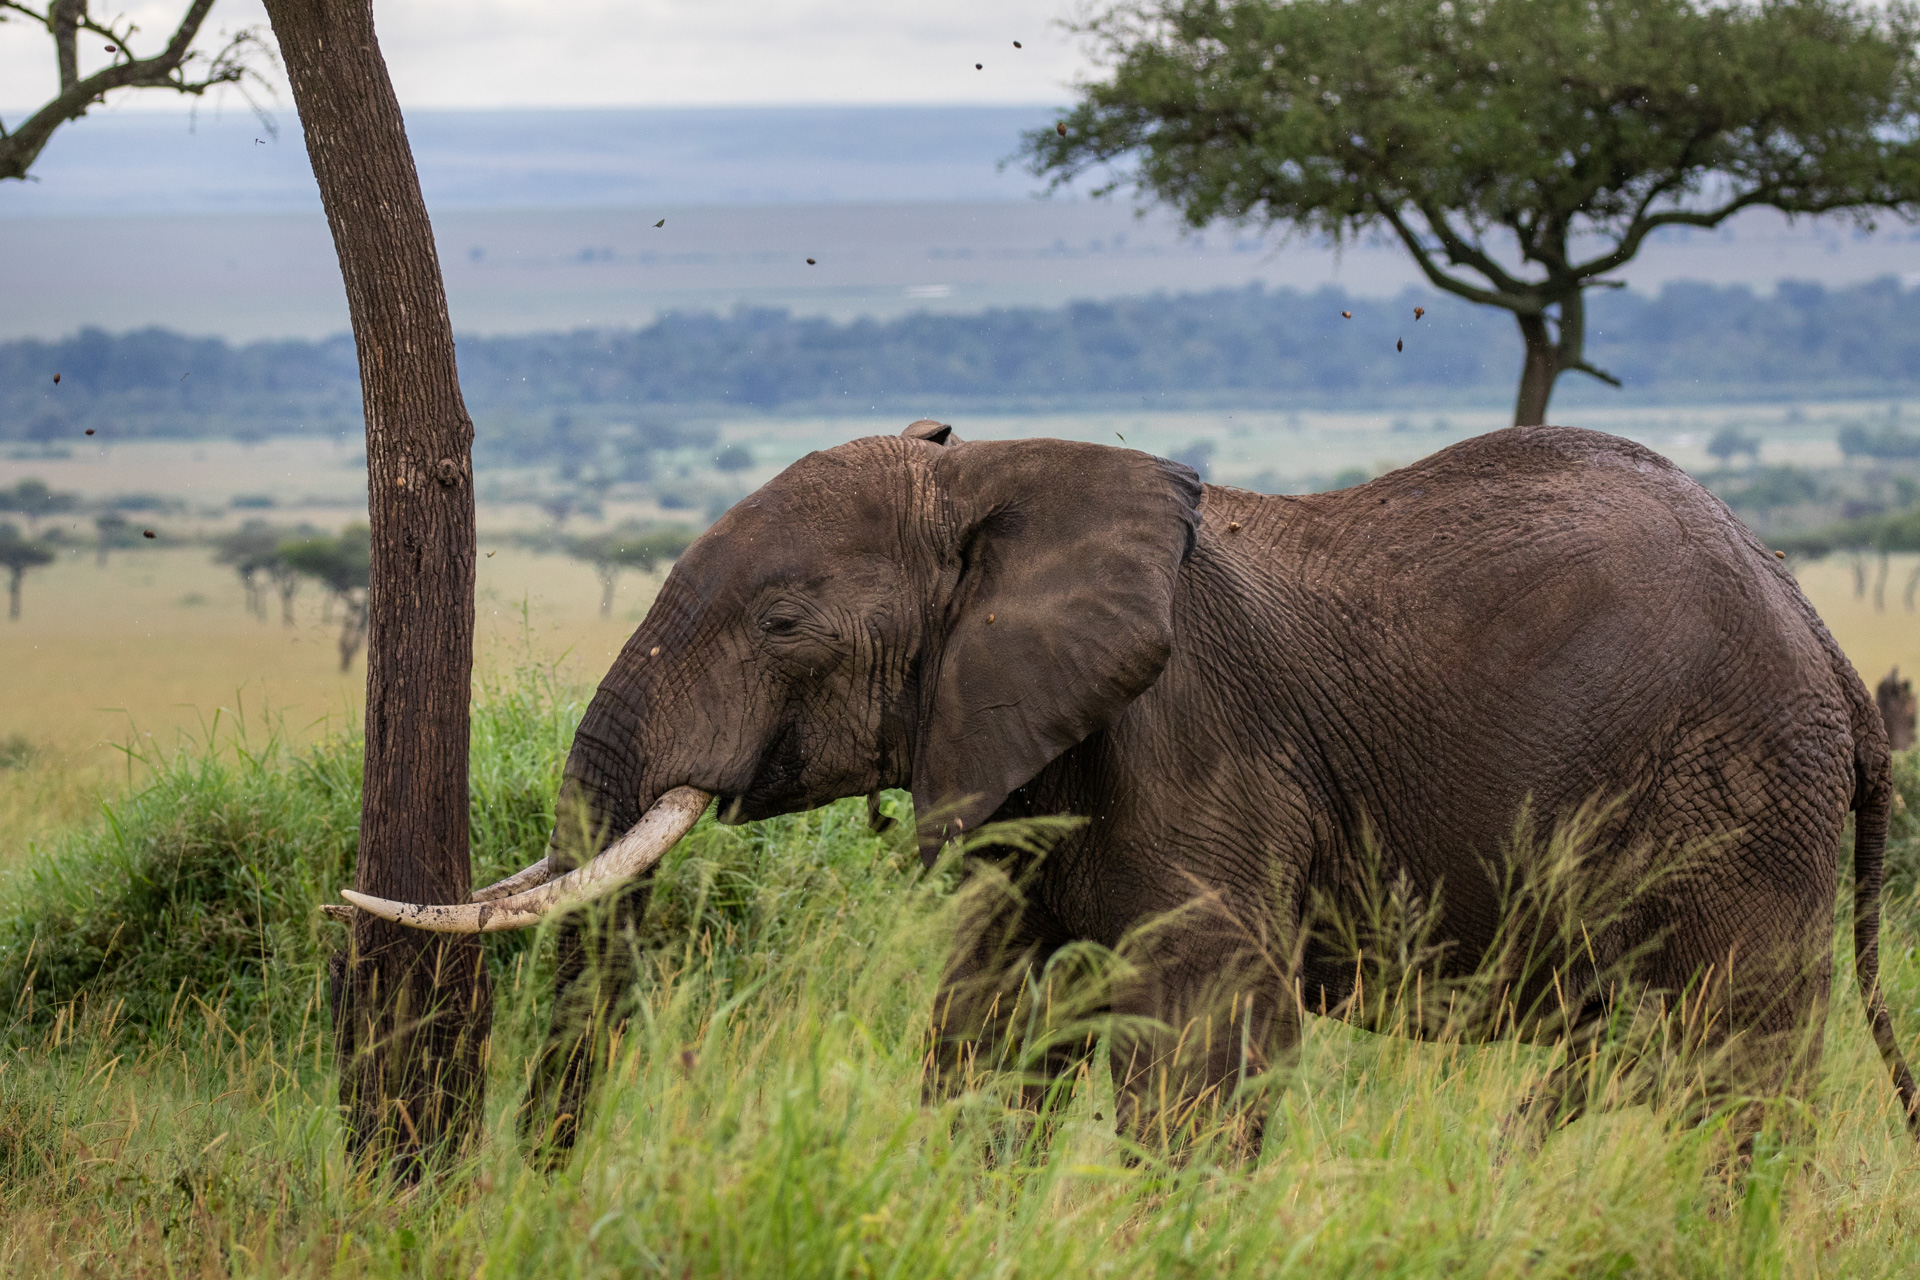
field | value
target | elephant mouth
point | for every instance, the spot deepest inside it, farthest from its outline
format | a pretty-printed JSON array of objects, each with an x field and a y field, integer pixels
[
  {"x": 754, "y": 804},
  {"x": 777, "y": 785}
]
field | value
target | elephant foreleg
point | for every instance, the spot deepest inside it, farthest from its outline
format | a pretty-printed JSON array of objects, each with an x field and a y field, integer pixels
[
  {"x": 595, "y": 971},
  {"x": 998, "y": 1011},
  {"x": 1192, "y": 1038}
]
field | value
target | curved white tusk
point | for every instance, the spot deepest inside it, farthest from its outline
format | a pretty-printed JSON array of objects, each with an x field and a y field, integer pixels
[
  {"x": 671, "y": 817},
  {"x": 536, "y": 874}
]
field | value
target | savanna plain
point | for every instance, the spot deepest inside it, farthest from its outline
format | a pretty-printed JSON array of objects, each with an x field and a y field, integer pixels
[{"x": 179, "y": 791}]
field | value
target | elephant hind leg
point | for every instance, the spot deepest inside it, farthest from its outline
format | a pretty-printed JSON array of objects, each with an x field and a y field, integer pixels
[
  {"x": 1740, "y": 1045},
  {"x": 1721, "y": 1046},
  {"x": 1597, "y": 1072}
]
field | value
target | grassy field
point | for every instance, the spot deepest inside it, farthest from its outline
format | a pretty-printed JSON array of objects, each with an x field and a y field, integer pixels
[
  {"x": 166, "y": 1104},
  {"x": 325, "y": 479},
  {"x": 158, "y": 644}
]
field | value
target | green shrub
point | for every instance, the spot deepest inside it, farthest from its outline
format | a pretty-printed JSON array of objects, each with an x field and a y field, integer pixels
[{"x": 206, "y": 881}]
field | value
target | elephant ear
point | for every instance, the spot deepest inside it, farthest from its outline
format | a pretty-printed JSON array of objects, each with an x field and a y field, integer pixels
[
  {"x": 930, "y": 431},
  {"x": 1063, "y": 567}
]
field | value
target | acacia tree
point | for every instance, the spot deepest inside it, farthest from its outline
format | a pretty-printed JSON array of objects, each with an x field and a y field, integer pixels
[
  {"x": 254, "y": 550},
  {"x": 619, "y": 549},
  {"x": 114, "y": 530},
  {"x": 34, "y": 500},
  {"x": 1520, "y": 150},
  {"x": 17, "y": 555},
  {"x": 177, "y": 66},
  {"x": 341, "y": 565},
  {"x": 251, "y": 549},
  {"x": 412, "y": 1010}
]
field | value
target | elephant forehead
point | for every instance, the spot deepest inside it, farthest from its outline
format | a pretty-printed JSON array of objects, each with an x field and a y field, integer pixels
[
  {"x": 834, "y": 522},
  {"x": 851, "y": 498}
]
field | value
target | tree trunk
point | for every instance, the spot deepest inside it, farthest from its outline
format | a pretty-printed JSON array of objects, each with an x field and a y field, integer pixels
[
  {"x": 1537, "y": 375},
  {"x": 13, "y": 593},
  {"x": 353, "y": 632},
  {"x": 412, "y": 1010}
]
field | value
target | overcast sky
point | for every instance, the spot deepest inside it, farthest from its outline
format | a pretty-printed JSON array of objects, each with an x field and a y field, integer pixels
[{"x": 503, "y": 53}]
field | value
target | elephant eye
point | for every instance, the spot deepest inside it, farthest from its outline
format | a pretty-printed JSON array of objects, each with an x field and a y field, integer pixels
[{"x": 784, "y": 624}]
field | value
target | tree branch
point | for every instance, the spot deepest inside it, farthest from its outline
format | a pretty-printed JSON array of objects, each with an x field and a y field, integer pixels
[
  {"x": 1581, "y": 366},
  {"x": 1463, "y": 253},
  {"x": 63, "y": 19},
  {"x": 1645, "y": 224},
  {"x": 19, "y": 149},
  {"x": 1423, "y": 257}
]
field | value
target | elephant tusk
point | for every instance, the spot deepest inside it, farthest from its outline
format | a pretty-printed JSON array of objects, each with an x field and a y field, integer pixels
[
  {"x": 533, "y": 877},
  {"x": 671, "y": 817}
]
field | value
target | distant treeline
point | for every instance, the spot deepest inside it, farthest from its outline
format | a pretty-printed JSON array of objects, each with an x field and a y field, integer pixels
[{"x": 535, "y": 395}]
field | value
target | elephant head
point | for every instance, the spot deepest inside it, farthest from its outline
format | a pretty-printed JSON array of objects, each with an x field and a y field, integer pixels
[{"x": 896, "y": 612}]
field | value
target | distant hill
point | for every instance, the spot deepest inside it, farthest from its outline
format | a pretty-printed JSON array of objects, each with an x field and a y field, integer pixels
[{"x": 536, "y": 395}]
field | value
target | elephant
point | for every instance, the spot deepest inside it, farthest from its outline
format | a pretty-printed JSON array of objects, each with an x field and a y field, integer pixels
[{"x": 1256, "y": 706}]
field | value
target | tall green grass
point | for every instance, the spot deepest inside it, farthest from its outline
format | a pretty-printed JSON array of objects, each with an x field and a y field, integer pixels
[{"x": 167, "y": 1106}]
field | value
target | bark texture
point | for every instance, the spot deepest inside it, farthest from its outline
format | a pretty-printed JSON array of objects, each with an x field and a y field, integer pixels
[{"x": 412, "y": 1010}]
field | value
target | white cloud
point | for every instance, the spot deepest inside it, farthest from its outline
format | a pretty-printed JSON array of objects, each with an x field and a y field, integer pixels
[{"x": 495, "y": 53}]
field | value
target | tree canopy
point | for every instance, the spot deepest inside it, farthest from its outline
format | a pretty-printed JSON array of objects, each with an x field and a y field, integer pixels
[
  {"x": 1520, "y": 150},
  {"x": 33, "y": 499},
  {"x": 338, "y": 563},
  {"x": 1887, "y": 443},
  {"x": 255, "y": 548}
]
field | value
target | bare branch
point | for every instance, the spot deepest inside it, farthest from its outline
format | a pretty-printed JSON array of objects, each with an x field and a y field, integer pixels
[
  {"x": 232, "y": 64},
  {"x": 1593, "y": 372},
  {"x": 1423, "y": 257},
  {"x": 1645, "y": 224},
  {"x": 1462, "y": 252},
  {"x": 63, "y": 19}
]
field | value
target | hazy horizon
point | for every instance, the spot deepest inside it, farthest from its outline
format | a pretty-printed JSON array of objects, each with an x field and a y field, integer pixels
[{"x": 545, "y": 220}]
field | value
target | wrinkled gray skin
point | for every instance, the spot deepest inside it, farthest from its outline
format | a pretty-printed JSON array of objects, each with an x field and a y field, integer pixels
[{"x": 1240, "y": 692}]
